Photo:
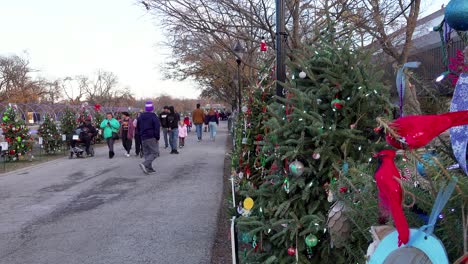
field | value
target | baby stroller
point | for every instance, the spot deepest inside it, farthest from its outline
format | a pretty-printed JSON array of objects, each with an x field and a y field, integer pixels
[{"x": 79, "y": 141}]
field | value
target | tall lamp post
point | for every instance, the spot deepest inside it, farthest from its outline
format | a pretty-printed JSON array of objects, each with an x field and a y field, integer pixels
[
  {"x": 238, "y": 50},
  {"x": 281, "y": 37}
]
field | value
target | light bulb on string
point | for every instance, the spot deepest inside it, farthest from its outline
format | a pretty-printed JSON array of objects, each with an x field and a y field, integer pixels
[{"x": 442, "y": 76}]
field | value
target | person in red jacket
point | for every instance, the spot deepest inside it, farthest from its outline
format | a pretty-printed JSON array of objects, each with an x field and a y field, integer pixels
[{"x": 187, "y": 123}]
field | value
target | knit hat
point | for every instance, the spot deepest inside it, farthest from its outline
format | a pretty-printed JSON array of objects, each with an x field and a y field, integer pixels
[{"x": 149, "y": 106}]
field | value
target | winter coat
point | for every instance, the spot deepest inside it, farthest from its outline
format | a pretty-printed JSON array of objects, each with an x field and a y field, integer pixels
[
  {"x": 212, "y": 118},
  {"x": 187, "y": 121},
  {"x": 163, "y": 119},
  {"x": 148, "y": 125},
  {"x": 87, "y": 131},
  {"x": 198, "y": 116},
  {"x": 182, "y": 131},
  {"x": 113, "y": 126},
  {"x": 131, "y": 129},
  {"x": 173, "y": 119}
]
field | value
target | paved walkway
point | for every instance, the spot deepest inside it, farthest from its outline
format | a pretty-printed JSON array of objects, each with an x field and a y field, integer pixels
[{"x": 100, "y": 211}]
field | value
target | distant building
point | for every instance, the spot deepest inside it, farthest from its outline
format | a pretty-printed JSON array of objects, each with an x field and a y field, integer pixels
[{"x": 427, "y": 46}]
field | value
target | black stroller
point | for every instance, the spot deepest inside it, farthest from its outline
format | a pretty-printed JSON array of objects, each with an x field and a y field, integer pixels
[{"x": 80, "y": 139}]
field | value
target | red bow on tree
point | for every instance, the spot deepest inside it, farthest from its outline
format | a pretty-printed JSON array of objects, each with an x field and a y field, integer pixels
[{"x": 97, "y": 107}]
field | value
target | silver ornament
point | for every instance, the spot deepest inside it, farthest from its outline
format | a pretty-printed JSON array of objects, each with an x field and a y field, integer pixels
[{"x": 296, "y": 168}]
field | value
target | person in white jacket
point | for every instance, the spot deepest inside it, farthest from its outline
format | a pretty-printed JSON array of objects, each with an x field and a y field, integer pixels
[{"x": 182, "y": 133}]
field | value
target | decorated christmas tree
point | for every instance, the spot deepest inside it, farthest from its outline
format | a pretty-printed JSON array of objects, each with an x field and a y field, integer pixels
[
  {"x": 324, "y": 123},
  {"x": 51, "y": 138},
  {"x": 68, "y": 123},
  {"x": 16, "y": 133}
]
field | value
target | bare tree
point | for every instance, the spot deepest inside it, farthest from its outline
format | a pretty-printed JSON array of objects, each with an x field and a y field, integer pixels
[
  {"x": 390, "y": 24},
  {"x": 74, "y": 88},
  {"x": 16, "y": 84}
]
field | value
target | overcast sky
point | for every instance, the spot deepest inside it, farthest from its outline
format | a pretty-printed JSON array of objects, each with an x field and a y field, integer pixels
[{"x": 73, "y": 37}]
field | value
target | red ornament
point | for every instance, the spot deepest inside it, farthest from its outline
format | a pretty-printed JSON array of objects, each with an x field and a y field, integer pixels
[
  {"x": 263, "y": 46},
  {"x": 12, "y": 152},
  {"x": 343, "y": 189},
  {"x": 291, "y": 251},
  {"x": 337, "y": 104}
]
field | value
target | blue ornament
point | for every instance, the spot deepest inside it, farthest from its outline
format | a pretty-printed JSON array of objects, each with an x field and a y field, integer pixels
[
  {"x": 428, "y": 159},
  {"x": 456, "y": 14}
]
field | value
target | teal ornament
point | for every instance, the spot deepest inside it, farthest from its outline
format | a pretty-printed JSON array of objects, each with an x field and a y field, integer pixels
[
  {"x": 311, "y": 240},
  {"x": 246, "y": 238},
  {"x": 345, "y": 167},
  {"x": 456, "y": 14},
  {"x": 428, "y": 159},
  {"x": 297, "y": 168}
]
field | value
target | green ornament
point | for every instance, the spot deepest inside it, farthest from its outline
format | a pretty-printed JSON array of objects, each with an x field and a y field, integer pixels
[
  {"x": 311, "y": 240},
  {"x": 5, "y": 118},
  {"x": 19, "y": 139}
]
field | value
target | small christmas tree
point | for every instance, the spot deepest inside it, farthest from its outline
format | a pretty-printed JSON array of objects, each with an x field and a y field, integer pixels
[
  {"x": 16, "y": 134},
  {"x": 51, "y": 138},
  {"x": 68, "y": 123}
]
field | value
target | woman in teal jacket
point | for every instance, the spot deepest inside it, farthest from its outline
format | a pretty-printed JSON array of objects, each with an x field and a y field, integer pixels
[{"x": 110, "y": 128}]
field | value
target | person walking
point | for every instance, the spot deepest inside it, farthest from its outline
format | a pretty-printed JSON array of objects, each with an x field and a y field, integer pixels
[
  {"x": 213, "y": 122},
  {"x": 188, "y": 123},
  {"x": 173, "y": 119},
  {"x": 149, "y": 128},
  {"x": 165, "y": 127},
  {"x": 138, "y": 146},
  {"x": 126, "y": 132},
  {"x": 110, "y": 127},
  {"x": 182, "y": 133},
  {"x": 198, "y": 118}
]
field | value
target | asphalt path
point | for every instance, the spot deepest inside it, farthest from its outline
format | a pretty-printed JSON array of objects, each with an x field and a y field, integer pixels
[{"x": 97, "y": 210}]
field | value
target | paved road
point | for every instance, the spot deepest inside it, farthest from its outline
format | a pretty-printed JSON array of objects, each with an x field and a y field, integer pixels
[{"x": 100, "y": 211}]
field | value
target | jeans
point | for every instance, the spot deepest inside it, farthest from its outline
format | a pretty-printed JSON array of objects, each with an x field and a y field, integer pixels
[
  {"x": 166, "y": 144},
  {"x": 173, "y": 136},
  {"x": 151, "y": 151},
  {"x": 198, "y": 128},
  {"x": 212, "y": 126},
  {"x": 127, "y": 143}
]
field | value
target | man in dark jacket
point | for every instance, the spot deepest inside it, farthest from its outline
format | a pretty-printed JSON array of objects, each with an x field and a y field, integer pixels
[
  {"x": 173, "y": 119},
  {"x": 148, "y": 125},
  {"x": 163, "y": 120}
]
